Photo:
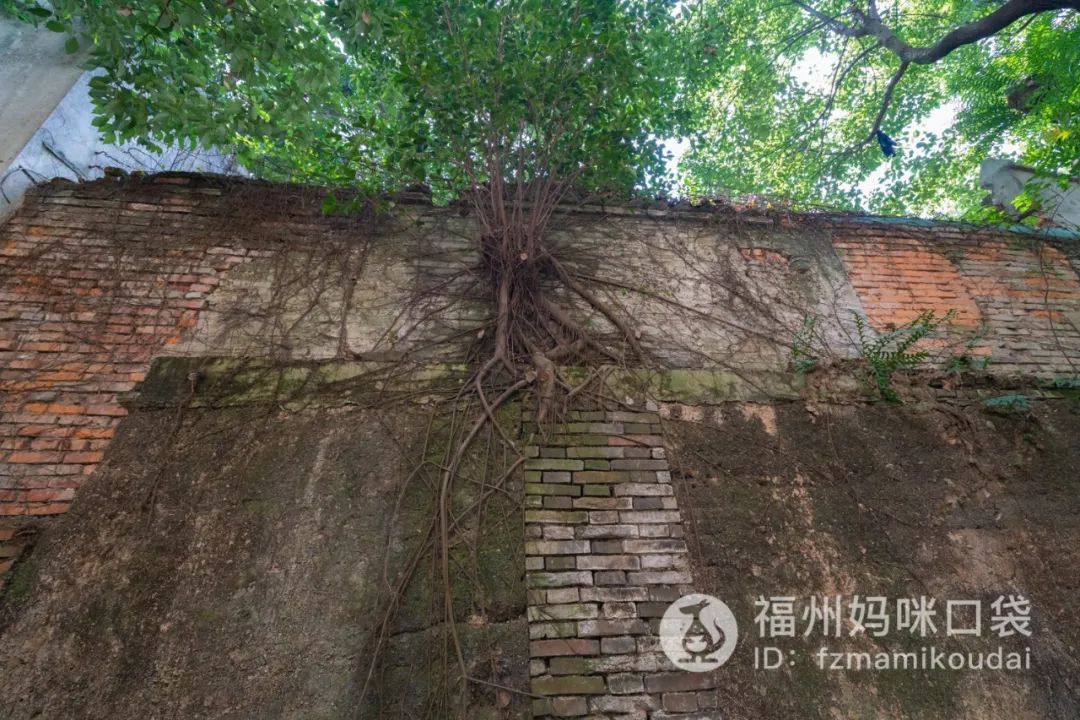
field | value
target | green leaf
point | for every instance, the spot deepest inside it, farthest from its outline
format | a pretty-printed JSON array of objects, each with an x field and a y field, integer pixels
[{"x": 330, "y": 204}]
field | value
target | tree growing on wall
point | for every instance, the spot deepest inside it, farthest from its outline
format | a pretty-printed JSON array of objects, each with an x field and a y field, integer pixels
[
  {"x": 516, "y": 106},
  {"x": 510, "y": 107}
]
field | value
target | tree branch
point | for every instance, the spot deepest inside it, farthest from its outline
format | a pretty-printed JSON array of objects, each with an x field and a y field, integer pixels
[
  {"x": 839, "y": 76},
  {"x": 886, "y": 100},
  {"x": 870, "y": 24},
  {"x": 831, "y": 22}
]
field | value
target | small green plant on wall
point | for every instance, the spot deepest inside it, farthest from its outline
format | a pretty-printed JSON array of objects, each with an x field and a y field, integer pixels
[
  {"x": 885, "y": 354},
  {"x": 803, "y": 357},
  {"x": 966, "y": 359}
]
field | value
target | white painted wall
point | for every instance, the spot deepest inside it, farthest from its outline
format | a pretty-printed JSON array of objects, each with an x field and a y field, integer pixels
[
  {"x": 35, "y": 74},
  {"x": 1005, "y": 180},
  {"x": 45, "y": 122}
]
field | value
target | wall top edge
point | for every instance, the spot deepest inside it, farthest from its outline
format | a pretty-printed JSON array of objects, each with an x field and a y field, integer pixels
[{"x": 704, "y": 210}]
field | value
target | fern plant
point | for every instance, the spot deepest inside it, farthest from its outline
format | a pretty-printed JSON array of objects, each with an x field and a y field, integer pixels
[
  {"x": 885, "y": 354},
  {"x": 966, "y": 360}
]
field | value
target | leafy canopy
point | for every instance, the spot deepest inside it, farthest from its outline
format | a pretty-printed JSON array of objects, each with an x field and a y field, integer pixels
[
  {"x": 787, "y": 100},
  {"x": 778, "y": 98},
  {"x": 526, "y": 90}
]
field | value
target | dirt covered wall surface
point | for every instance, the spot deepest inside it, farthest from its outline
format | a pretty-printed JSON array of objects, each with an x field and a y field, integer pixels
[
  {"x": 938, "y": 499},
  {"x": 234, "y": 563}
]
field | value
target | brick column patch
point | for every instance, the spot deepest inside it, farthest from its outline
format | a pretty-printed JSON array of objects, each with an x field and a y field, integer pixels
[{"x": 605, "y": 555}]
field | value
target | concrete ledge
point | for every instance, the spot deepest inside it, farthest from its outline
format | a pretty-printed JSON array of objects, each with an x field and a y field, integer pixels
[{"x": 223, "y": 382}]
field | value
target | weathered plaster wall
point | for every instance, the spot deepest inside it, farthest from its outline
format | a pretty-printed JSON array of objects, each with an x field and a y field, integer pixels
[
  {"x": 811, "y": 501},
  {"x": 939, "y": 499},
  {"x": 716, "y": 292},
  {"x": 234, "y": 550},
  {"x": 235, "y": 563}
]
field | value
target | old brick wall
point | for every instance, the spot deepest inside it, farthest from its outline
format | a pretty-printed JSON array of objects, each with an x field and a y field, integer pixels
[
  {"x": 94, "y": 284},
  {"x": 605, "y": 555},
  {"x": 97, "y": 279},
  {"x": 230, "y": 563},
  {"x": 1023, "y": 291}
]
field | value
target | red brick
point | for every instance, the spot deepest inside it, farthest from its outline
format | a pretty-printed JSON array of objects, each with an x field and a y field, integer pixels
[
  {"x": 53, "y": 508},
  {"x": 47, "y": 495},
  {"x": 61, "y": 409},
  {"x": 33, "y": 458},
  {"x": 59, "y": 376},
  {"x": 83, "y": 457},
  {"x": 105, "y": 432},
  {"x": 108, "y": 410}
]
